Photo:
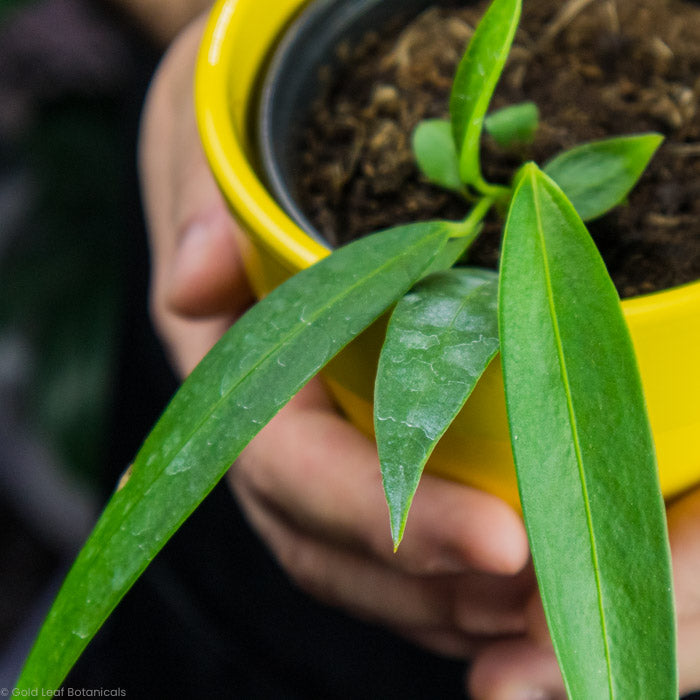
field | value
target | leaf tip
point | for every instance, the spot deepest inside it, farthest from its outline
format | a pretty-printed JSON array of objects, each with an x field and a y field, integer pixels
[
  {"x": 398, "y": 525},
  {"x": 655, "y": 139}
]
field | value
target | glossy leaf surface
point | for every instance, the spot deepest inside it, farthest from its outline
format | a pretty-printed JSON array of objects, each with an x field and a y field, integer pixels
[
  {"x": 261, "y": 362},
  {"x": 513, "y": 124},
  {"x": 440, "y": 339},
  {"x": 434, "y": 149},
  {"x": 475, "y": 80},
  {"x": 584, "y": 454},
  {"x": 597, "y": 176}
]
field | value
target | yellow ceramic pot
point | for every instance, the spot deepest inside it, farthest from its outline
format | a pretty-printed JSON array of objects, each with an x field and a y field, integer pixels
[{"x": 665, "y": 326}]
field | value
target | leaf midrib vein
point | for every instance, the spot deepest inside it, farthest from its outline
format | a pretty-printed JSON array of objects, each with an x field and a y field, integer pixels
[
  {"x": 441, "y": 333},
  {"x": 109, "y": 537},
  {"x": 574, "y": 428},
  {"x": 224, "y": 397}
]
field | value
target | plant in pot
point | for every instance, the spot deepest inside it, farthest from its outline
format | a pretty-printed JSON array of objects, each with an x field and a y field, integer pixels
[{"x": 584, "y": 455}]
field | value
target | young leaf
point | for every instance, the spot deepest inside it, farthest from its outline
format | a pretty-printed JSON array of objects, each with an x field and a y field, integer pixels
[
  {"x": 440, "y": 339},
  {"x": 475, "y": 81},
  {"x": 261, "y": 362},
  {"x": 434, "y": 149},
  {"x": 584, "y": 454},
  {"x": 513, "y": 124},
  {"x": 597, "y": 176}
]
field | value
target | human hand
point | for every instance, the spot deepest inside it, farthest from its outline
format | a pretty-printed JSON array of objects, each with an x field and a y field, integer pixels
[
  {"x": 526, "y": 667},
  {"x": 310, "y": 482},
  {"x": 198, "y": 285}
]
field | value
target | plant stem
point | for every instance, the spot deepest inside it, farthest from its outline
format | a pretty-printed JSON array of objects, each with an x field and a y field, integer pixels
[
  {"x": 470, "y": 225},
  {"x": 467, "y": 194},
  {"x": 493, "y": 191}
]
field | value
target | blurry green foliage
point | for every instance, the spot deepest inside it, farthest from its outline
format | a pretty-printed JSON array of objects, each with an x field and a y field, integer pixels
[{"x": 61, "y": 274}]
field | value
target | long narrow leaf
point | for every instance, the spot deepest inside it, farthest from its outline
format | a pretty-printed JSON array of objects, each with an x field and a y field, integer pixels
[
  {"x": 475, "y": 81},
  {"x": 250, "y": 374},
  {"x": 584, "y": 454},
  {"x": 440, "y": 339},
  {"x": 597, "y": 176}
]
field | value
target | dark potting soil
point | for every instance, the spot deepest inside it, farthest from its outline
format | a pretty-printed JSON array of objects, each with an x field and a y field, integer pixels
[{"x": 595, "y": 68}]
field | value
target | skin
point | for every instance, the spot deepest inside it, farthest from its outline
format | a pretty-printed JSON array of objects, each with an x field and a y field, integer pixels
[{"x": 460, "y": 584}]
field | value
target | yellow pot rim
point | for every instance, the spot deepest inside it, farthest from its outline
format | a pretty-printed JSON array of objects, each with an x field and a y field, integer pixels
[
  {"x": 227, "y": 147},
  {"x": 228, "y": 150}
]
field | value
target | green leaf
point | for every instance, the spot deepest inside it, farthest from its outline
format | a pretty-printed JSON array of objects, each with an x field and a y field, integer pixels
[
  {"x": 513, "y": 124},
  {"x": 597, "y": 176},
  {"x": 463, "y": 233},
  {"x": 584, "y": 454},
  {"x": 475, "y": 81},
  {"x": 452, "y": 252},
  {"x": 261, "y": 362},
  {"x": 440, "y": 339},
  {"x": 434, "y": 149}
]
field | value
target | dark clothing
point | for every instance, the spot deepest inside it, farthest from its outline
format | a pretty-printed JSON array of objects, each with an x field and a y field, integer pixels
[{"x": 214, "y": 616}]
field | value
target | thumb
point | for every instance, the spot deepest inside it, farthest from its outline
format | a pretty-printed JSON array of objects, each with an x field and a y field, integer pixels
[
  {"x": 516, "y": 669},
  {"x": 205, "y": 275},
  {"x": 198, "y": 284}
]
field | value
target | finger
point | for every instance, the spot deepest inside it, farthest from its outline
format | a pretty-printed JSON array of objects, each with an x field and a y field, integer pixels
[
  {"x": 166, "y": 119},
  {"x": 515, "y": 669},
  {"x": 683, "y": 529},
  {"x": 440, "y": 611},
  {"x": 318, "y": 469},
  {"x": 688, "y": 654},
  {"x": 188, "y": 341},
  {"x": 537, "y": 628},
  {"x": 191, "y": 233},
  {"x": 204, "y": 292},
  {"x": 684, "y": 535},
  {"x": 197, "y": 269},
  {"x": 206, "y": 275}
]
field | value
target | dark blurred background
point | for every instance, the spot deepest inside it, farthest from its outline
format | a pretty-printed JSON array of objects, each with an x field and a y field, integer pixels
[{"x": 81, "y": 375}]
